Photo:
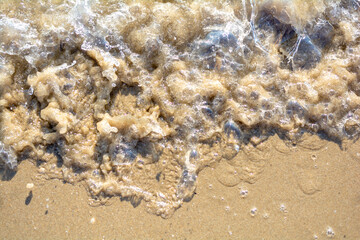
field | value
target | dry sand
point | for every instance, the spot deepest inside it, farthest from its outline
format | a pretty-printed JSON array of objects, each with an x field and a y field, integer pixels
[{"x": 302, "y": 194}]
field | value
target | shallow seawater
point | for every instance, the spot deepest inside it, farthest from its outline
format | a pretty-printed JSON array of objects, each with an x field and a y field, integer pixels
[{"x": 135, "y": 98}]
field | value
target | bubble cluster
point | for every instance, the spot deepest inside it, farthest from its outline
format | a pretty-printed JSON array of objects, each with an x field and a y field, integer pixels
[
  {"x": 243, "y": 192},
  {"x": 7, "y": 157}
]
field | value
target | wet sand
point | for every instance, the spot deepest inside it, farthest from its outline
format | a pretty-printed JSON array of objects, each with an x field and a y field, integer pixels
[{"x": 302, "y": 194}]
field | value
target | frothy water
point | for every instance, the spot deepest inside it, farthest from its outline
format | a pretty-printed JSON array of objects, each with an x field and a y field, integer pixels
[{"x": 135, "y": 99}]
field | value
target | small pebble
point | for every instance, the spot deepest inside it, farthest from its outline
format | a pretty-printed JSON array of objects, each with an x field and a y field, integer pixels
[
  {"x": 29, "y": 185},
  {"x": 330, "y": 232},
  {"x": 253, "y": 211},
  {"x": 92, "y": 220},
  {"x": 283, "y": 208}
]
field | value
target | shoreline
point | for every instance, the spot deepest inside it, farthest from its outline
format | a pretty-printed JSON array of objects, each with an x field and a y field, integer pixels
[{"x": 293, "y": 200}]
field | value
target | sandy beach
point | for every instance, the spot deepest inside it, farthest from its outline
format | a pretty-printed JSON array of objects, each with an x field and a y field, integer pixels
[
  {"x": 180, "y": 119},
  {"x": 302, "y": 194}
]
